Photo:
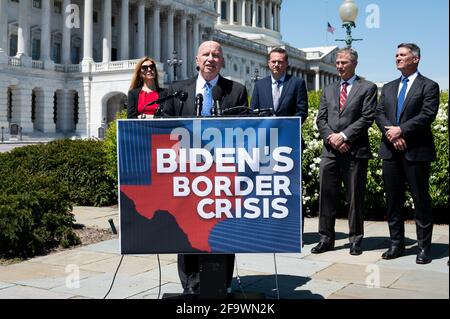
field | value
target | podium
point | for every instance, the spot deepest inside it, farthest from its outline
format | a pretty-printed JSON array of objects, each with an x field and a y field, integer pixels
[{"x": 163, "y": 210}]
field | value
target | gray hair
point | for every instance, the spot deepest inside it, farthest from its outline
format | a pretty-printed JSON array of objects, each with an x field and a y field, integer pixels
[
  {"x": 415, "y": 50},
  {"x": 353, "y": 54}
]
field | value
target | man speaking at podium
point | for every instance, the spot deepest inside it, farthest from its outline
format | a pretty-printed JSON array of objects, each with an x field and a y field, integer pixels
[
  {"x": 209, "y": 62},
  {"x": 216, "y": 94}
]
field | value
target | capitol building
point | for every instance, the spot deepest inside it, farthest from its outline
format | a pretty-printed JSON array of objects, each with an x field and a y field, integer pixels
[{"x": 65, "y": 66}]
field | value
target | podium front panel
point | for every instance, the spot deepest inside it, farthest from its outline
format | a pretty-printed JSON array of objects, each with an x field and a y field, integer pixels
[{"x": 210, "y": 185}]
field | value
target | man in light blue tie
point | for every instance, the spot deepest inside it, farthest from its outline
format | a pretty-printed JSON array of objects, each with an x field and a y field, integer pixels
[
  {"x": 209, "y": 61},
  {"x": 405, "y": 113}
]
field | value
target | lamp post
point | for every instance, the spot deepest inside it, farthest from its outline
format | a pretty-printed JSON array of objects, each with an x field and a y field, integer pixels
[
  {"x": 348, "y": 12},
  {"x": 255, "y": 76},
  {"x": 174, "y": 62}
]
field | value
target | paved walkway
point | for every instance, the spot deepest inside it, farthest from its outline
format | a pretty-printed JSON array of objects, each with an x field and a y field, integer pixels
[{"x": 334, "y": 274}]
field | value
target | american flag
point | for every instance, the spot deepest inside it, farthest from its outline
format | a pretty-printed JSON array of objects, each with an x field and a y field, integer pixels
[{"x": 330, "y": 28}]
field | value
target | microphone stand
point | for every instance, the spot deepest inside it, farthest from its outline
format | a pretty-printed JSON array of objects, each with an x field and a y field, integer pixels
[
  {"x": 198, "y": 105},
  {"x": 159, "y": 101}
]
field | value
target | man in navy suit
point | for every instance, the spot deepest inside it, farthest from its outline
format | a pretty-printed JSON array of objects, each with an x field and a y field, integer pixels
[
  {"x": 407, "y": 107},
  {"x": 285, "y": 93}
]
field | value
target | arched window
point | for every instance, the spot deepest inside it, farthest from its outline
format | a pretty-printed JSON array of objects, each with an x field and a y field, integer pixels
[
  {"x": 9, "y": 106},
  {"x": 224, "y": 9}
]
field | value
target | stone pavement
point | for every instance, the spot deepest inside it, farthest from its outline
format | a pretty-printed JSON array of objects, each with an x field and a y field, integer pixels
[{"x": 333, "y": 275}]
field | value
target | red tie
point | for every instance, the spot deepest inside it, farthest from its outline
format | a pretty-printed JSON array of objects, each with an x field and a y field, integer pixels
[{"x": 343, "y": 96}]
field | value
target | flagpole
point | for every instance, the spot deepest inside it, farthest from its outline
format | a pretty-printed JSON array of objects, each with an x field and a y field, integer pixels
[{"x": 326, "y": 31}]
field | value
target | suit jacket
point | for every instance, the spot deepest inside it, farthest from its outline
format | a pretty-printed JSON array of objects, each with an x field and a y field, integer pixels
[
  {"x": 133, "y": 97},
  {"x": 234, "y": 94},
  {"x": 354, "y": 120},
  {"x": 419, "y": 111},
  {"x": 293, "y": 99}
]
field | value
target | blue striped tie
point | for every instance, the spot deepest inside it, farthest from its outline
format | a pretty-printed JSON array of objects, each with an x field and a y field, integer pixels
[
  {"x": 207, "y": 101},
  {"x": 401, "y": 98}
]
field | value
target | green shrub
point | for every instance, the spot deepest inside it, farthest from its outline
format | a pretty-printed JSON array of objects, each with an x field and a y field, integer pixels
[
  {"x": 35, "y": 212},
  {"x": 374, "y": 201},
  {"x": 110, "y": 146},
  {"x": 80, "y": 165}
]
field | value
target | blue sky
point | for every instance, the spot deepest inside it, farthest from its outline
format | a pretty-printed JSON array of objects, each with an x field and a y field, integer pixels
[{"x": 426, "y": 23}]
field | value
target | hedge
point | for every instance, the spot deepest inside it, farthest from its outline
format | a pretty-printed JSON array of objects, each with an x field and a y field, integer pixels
[
  {"x": 38, "y": 187},
  {"x": 374, "y": 201},
  {"x": 80, "y": 165},
  {"x": 35, "y": 212}
]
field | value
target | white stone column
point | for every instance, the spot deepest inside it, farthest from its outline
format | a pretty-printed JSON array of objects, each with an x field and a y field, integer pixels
[
  {"x": 47, "y": 124},
  {"x": 141, "y": 29},
  {"x": 4, "y": 106},
  {"x": 196, "y": 32},
  {"x": 255, "y": 9},
  {"x": 23, "y": 32},
  {"x": 156, "y": 33},
  {"x": 3, "y": 32},
  {"x": 317, "y": 84},
  {"x": 271, "y": 15},
  {"x": 66, "y": 35},
  {"x": 65, "y": 110},
  {"x": 278, "y": 17},
  {"x": 124, "y": 32},
  {"x": 45, "y": 31},
  {"x": 88, "y": 31},
  {"x": 263, "y": 14},
  {"x": 170, "y": 40},
  {"x": 106, "y": 51},
  {"x": 231, "y": 19},
  {"x": 183, "y": 53},
  {"x": 219, "y": 11},
  {"x": 84, "y": 100},
  {"x": 243, "y": 12},
  {"x": 21, "y": 101}
]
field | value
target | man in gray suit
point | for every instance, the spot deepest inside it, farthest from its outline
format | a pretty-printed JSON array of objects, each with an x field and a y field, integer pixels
[
  {"x": 408, "y": 105},
  {"x": 346, "y": 112}
]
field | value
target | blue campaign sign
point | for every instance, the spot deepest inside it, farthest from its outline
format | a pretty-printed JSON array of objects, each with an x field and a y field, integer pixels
[{"x": 210, "y": 185}]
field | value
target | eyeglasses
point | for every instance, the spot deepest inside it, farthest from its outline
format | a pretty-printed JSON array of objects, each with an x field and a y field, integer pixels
[{"x": 145, "y": 68}]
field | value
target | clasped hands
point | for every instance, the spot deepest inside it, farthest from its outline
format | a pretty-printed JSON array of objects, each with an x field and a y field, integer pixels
[
  {"x": 337, "y": 142},
  {"x": 394, "y": 135}
]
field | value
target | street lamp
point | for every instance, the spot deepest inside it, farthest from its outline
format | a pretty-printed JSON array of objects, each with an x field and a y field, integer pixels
[
  {"x": 255, "y": 76},
  {"x": 348, "y": 12},
  {"x": 174, "y": 62}
]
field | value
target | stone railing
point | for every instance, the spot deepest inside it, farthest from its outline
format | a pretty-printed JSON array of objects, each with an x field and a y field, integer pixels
[
  {"x": 314, "y": 55},
  {"x": 230, "y": 39},
  {"x": 36, "y": 64},
  {"x": 115, "y": 65},
  {"x": 73, "y": 68},
  {"x": 60, "y": 68},
  {"x": 12, "y": 60}
]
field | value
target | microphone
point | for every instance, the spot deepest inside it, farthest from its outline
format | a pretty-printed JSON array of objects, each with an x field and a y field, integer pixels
[
  {"x": 159, "y": 101},
  {"x": 217, "y": 95},
  {"x": 198, "y": 104},
  {"x": 237, "y": 110},
  {"x": 264, "y": 111},
  {"x": 183, "y": 98}
]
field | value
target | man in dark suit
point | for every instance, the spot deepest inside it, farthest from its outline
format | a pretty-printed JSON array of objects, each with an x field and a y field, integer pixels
[
  {"x": 209, "y": 62},
  {"x": 346, "y": 112},
  {"x": 407, "y": 108},
  {"x": 285, "y": 93}
]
